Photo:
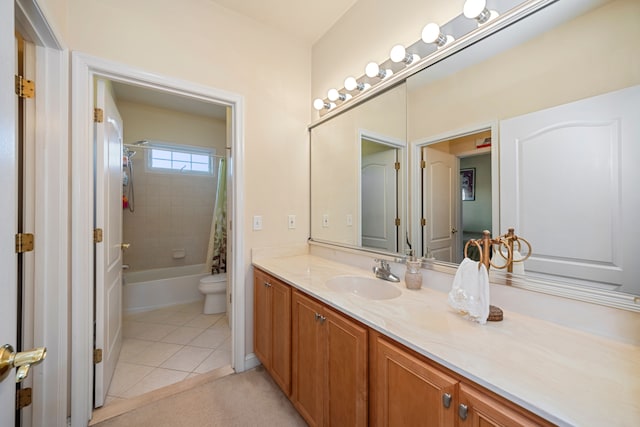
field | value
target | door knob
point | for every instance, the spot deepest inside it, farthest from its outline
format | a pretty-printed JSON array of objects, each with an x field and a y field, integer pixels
[
  {"x": 454, "y": 230},
  {"x": 124, "y": 246},
  {"x": 22, "y": 360}
]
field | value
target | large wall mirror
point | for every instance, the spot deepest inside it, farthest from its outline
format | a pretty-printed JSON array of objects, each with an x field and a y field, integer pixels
[
  {"x": 359, "y": 175},
  {"x": 499, "y": 118}
]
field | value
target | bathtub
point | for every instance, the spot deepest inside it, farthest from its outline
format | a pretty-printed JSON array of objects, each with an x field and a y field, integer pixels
[{"x": 161, "y": 287}]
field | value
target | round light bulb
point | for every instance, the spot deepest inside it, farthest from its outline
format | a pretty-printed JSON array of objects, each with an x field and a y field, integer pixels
[
  {"x": 318, "y": 104},
  {"x": 430, "y": 33},
  {"x": 350, "y": 83},
  {"x": 333, "y": 95},
  {"x": 372, "y": 69},
  {"x": 398, "y": 53},
  {"x": 473, "y": 8}
]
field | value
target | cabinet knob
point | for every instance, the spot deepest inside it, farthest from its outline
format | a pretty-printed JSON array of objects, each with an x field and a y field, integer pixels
[
  {"x": 463, "y": 410},
  {"x": 267, "y": 284},
  {"x": 446, "y": 400}
]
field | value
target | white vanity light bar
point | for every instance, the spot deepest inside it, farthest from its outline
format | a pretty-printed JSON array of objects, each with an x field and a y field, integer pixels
[{"x": 515, "y": 11}]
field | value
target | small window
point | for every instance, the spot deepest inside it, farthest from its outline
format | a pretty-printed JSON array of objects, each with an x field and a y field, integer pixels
[{"x": 179, "y": 159}]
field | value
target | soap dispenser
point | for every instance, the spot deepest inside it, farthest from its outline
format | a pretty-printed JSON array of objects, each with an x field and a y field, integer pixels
[{"x": 413, "y": 275}]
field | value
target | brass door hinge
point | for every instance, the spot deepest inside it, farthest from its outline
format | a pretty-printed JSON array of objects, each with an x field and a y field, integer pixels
[
  {"x": 24, "y": 242},
  {"x": 23, "y": 398},
  {"x": 97, "y": 356},
  {"x": 97, "y": 235},
  {"x": 397, "y": 222},
  {"x": 397, "y": 166},
  {"x": 98, "y": 115},
  {"x": 423, "y": 164},
  {"x": 423, "y": 222},
  {"x": 25, "y": 88}
]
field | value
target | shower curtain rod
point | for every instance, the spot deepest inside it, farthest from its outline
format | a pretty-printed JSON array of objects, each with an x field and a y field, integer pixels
[{"x": 147, "y": 147}]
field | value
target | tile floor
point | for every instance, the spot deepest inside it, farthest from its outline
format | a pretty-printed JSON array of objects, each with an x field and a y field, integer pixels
[{"x": 168, "y": 345}]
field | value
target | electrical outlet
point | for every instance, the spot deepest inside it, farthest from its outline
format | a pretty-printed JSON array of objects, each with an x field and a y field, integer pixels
[
  {"x": 349, "y": 220},
  {"x": 291, "y": 221},
  {"x": 325, "y": 220},
  {"x": 257, "y": 222}
]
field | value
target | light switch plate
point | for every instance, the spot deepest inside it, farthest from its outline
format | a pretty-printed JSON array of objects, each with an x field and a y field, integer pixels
[
  {"x": 257, "y": 222},
  {"x": 325, "y": 220},
  {"x": 291, "y": 221}
]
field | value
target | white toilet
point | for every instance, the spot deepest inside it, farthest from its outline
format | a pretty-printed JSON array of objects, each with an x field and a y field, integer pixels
[{"x": 214, "y": 288}]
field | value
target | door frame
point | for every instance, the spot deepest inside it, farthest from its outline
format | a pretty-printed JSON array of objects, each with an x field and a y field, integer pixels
[
  {"x": 84, "y": 69},
  {"x": 401, "y": 181},
  {"x": 51, "y": 271},
  {"x": 416, "y": 175}
]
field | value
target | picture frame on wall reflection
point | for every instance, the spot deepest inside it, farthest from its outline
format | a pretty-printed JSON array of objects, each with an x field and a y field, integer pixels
[{"x": 468, "y": 184}]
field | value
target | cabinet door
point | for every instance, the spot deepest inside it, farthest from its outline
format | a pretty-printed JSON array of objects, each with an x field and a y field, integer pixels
[
  {"x": 262, "y": 318},
  {"x": 307, "y": 375},
  {"x": 477, "y": 409},
  {"x": 281, "y": 335},
  {"x": 346, "y": 378},
  {"x": 408, "y": 391}
]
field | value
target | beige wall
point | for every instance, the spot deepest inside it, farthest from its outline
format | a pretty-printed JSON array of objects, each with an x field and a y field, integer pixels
[
  {"x": 172, "y": 211},
  {"x": 202, "y": 42},
  {"x": 367, "y": 32}
]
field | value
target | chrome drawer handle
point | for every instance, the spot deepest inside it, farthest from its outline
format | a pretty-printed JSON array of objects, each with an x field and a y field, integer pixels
[
  {"x": 446, "y": 400},
  {"x": 463, "y": 411}
]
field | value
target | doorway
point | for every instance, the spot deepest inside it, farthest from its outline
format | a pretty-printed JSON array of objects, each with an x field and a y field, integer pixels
[
  {"x": 457, "y": 177},
  {"x": 169, "y": 160},
  {"x": 85, "y": 69}
]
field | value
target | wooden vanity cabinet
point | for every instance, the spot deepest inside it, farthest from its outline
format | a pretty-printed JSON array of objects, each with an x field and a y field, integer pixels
[
  {"x": 272, "y": 327},
  {"x": 329, "y": 366},
  {"x": 478, "y": 408},
  {"x": 406, "y": 391}
]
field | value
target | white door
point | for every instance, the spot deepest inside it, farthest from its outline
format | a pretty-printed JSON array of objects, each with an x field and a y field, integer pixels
[
  {"x": 108, "y": 216},
  {"x": 440, "y": 192},
  {"x": 8, "y": 215},
  {"x": 379, "y": 200},
  {"x": 587, "y": 188}
]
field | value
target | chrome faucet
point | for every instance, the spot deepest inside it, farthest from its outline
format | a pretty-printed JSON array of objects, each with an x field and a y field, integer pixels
[{"x": 382, "y": 271}]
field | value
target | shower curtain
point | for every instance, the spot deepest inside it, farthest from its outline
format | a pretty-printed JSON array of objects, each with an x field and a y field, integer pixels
[{"x": 217, "y": 252}]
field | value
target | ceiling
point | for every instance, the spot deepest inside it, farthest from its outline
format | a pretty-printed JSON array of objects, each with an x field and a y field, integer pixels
[{"x": 303, "y": 19}]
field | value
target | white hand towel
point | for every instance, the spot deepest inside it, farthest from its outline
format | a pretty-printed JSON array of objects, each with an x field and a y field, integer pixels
[{"x": 470, "y": 291}]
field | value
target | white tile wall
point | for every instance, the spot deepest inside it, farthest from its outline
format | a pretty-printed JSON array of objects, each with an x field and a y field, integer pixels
[{"x": 171, "y": 212}]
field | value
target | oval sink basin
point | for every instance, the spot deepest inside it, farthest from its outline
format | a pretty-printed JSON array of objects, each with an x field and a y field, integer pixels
[{"x": 365, "y": 287}]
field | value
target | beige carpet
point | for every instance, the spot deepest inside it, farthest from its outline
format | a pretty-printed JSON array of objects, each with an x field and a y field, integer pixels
[{"x": 247, "y": 399}]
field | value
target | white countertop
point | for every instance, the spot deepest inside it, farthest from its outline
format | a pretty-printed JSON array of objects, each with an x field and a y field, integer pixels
[{"x": 566, "y": 376}]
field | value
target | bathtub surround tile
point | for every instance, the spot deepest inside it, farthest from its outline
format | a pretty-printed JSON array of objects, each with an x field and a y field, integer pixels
[{"x": 187, "y": 358}]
